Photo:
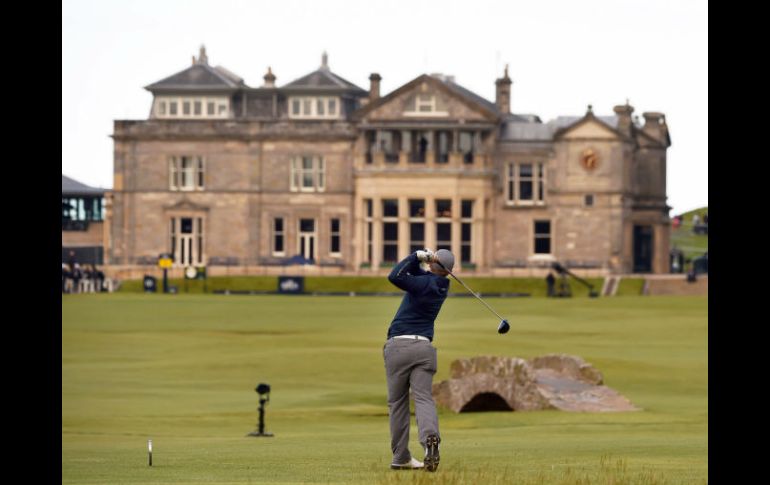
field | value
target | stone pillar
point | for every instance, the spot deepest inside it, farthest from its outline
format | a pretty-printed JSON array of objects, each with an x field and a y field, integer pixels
[
  {"x": 478, "y": 151},
  {"x": 477, "y": 233},
  {"x": 627, "y": 260},
  {"x": 359, "y": 232},
  {"x": 430, "y": 223},
  {"x": 406, "y": 144},
  {"x": 456, "y": 228},
  {"x": 430, "y": 152},
  {"x": 376, "y": 232},
  {"x": 403, "y": 227}
]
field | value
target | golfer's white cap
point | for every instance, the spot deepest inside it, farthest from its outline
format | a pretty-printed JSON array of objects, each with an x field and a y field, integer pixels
[{"x": 446, "y": 258}]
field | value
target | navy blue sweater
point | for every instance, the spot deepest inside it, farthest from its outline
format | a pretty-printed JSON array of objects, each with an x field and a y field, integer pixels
[{"x": 425, "y": 293}]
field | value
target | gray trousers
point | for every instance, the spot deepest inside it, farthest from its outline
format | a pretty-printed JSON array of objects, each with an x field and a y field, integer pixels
[{"x": 410, "y": 363}]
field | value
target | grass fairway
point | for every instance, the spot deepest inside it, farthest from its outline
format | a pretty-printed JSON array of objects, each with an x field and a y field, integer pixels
[{"x": 181, "y": 370}]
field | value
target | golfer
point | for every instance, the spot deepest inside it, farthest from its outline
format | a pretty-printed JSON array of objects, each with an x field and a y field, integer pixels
[{"x": 410, "y": 359}]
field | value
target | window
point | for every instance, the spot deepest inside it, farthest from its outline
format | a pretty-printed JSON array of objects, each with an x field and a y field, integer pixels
[
  {"x": 443, "y": 208},
  {"x": 589, "y": 200},
  {"x": 278, "y": 237},
  {"x": 525, "y": 184},
  {"x": 542, "y": 237},
  {"x": 466, "y": 226},
  {"x": 186, "y": 173},
  {"x": 540, "y": 182},
  {"x": 390, "y": 207},
  {"x": 425, "y": 103},
  {"x": 390, "y": 230},
  {"x": 390, "y": 242},
  {"x": 315, "y": 107},
  {"x": 80, "y": 209},
  {"x": 335, "y": 237},
  {"x": 308, "y": 174},
  {"x": 416, "y": 207},
  {"x": 199, "y": 107},
  {"x": 416, "y": 224},
  {"x": 525, "y": 181}
]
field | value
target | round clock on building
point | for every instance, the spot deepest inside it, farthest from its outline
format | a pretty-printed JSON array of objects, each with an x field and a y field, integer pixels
[{"x": 589, "y": 159}]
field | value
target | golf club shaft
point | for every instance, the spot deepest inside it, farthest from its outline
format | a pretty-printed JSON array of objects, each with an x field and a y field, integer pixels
[{"x": 474, "y": 294}]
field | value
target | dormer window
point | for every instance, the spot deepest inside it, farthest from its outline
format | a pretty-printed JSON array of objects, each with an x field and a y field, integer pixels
[
  {"x": 189, "y": 107},
  {"x": 315, "y": 107}
]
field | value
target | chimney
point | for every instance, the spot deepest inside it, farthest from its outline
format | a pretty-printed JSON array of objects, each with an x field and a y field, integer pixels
[
  {"x": 325, "y": 61},
  {"x": 503, "y": 93},
  {"x": 193, "y": 60},
  {"x": 655, "y": 125},
  {"x": 202, "y": 58},
  {"x": 624, "y": 117},
  {"x": 374, "y": 86},
  {"x": 269, "y": 79}
]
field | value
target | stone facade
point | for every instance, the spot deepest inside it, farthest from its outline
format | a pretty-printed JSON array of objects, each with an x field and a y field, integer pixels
[{"x": 311, "y": 169}]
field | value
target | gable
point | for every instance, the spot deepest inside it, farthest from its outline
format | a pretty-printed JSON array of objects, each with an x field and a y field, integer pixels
[
  {"x": 427, "y": 98},
  {"x": 589, "y": 128}
]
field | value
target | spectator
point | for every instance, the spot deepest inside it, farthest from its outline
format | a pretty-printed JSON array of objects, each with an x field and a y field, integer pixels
[
  {"x": 706, "y": 218},
  {"x": 676, "y": 222},
  {"x": 550, "y": 281},
  {"x": 72, "y": 261},
  {"x": 695, "y": 220},
  {"x": 98, "y": 277},
  {"x": 77, "y": 275},
  {"x": 65, "y": 274}
]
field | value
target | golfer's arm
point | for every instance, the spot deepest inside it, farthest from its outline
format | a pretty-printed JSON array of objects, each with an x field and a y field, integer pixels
[{"x": 401, "y": 277}]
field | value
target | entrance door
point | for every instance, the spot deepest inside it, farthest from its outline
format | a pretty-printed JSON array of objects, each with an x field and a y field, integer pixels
[
  {"x": 307, "y": 238},
  {"x": 642, "y": 249},
  {"x": 187, "y": 241}
]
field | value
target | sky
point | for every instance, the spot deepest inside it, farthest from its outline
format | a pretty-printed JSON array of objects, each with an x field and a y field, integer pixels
[{"x": 562, "y": 55}]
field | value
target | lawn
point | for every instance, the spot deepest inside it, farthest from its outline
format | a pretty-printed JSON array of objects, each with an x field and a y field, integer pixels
[{"x": 181, "y": 370}]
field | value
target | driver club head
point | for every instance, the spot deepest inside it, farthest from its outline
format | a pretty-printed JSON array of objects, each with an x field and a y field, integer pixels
[{"x": 504, "y": 327}]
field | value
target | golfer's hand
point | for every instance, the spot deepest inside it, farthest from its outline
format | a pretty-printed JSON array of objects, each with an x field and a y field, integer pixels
[{"x": 426, "y": 255}]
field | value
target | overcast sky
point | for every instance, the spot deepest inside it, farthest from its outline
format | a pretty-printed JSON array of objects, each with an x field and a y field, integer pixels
[{"x": 563, "y": 55}]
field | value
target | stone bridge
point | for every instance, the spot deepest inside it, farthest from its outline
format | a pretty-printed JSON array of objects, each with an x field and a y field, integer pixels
[{"x": 554, "y": 381}]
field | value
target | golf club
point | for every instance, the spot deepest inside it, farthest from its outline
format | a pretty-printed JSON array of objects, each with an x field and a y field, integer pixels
[{"x": 504, "y": 326}]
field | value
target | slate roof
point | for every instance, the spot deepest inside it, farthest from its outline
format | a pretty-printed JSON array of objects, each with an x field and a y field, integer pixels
[
  {"x": 325, "y": 80},
  {"x": 199, "y": 77},
  {"x": 73, "y": 187}
]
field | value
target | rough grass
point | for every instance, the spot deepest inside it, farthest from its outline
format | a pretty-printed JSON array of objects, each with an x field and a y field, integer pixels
[
  {"x": 691, "y": 244},
  {"x": 181, "y": 370},
  {"x": 535, "y": 287}
]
